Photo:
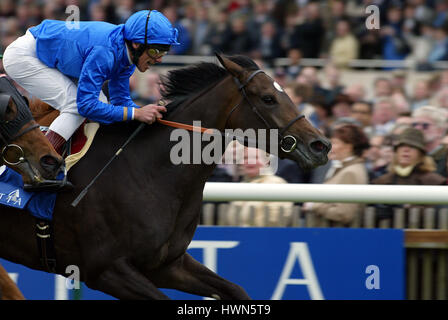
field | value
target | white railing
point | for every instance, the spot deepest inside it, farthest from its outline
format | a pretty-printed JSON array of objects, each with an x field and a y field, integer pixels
[{"x": 386, "y": 194}]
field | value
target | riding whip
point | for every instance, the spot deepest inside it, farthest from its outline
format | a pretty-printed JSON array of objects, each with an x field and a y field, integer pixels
[{"x": 86, "y": 189}]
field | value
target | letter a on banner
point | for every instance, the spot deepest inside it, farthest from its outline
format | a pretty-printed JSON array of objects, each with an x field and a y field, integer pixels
[{"x": 299, "y": 251}]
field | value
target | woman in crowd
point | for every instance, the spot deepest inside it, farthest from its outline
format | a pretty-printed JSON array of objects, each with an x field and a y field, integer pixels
[
  {"x": 255, "y": 168},
  {"x": 348, "y": 167},
  {"x": 410, "y": 166}
]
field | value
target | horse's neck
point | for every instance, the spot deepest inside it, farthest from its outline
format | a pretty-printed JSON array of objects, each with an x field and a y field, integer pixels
[
  {"x": 42, "y": 112},
  {"x": 211, "y": 107}
]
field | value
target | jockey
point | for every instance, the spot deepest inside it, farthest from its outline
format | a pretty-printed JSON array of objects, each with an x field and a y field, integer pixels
[{"x": 66, "y": 65}]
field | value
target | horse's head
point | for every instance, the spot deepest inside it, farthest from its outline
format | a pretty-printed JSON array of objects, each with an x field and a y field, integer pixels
[
  {"x": 24, "y": 148},
  {"x": 262, "y": 104}
]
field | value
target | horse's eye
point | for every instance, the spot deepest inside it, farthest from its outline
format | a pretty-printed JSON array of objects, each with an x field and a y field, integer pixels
[{"x": 270, "y": 100}]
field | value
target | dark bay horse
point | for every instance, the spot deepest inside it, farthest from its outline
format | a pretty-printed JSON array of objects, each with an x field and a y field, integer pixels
[
  {"x": 130, "y": 233},
  {"x": 23, "y": 147}
]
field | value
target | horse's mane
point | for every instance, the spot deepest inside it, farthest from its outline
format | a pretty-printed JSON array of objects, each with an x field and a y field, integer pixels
[{"x": 180, "y": 84}]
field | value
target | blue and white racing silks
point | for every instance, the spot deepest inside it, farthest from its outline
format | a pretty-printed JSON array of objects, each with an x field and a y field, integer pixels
[{"x": 96, "y": 52}]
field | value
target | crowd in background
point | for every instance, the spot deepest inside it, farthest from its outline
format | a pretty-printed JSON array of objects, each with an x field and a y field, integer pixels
[
  {"x": 381, "y": 132},
  {"x": 267, "y": 29}
]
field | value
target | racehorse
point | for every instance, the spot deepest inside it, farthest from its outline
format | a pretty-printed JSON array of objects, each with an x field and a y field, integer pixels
[
  {"x": 130, "y": 233},
  {"x": 23, "y": 146},
  {"x": 8, "y": 290}
]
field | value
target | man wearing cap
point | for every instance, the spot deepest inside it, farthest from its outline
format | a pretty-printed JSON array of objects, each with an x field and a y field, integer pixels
[{"x": 66, "y": 65}]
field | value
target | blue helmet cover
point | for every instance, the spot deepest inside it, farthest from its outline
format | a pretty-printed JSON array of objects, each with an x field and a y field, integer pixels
[{"x": 160, "y": 29}]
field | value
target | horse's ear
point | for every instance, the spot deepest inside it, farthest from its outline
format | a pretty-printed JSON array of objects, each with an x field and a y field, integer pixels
[{"x": 233, "y": 68}]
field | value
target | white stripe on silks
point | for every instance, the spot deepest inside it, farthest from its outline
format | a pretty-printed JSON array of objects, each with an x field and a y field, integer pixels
[{"x": 2, "y": 169}]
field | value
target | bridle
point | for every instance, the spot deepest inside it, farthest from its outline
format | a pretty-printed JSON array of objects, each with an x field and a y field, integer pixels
[
  {"x": 12, "y": 130},
  {"x": 8, "y": 144},
  {"x": 287, "y": 143}
]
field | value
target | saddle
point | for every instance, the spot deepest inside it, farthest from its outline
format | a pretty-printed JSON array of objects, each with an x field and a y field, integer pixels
[{"x": 78, "y": 145}]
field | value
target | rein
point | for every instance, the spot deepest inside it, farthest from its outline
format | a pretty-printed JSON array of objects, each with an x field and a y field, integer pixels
[{"x": 287, "y": 143}]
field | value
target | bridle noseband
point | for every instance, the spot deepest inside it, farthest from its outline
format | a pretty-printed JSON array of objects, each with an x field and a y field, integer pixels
[
  {"x": 287, "y": 143},
  {"x": 8, "y": 144},
  {"x": 11, "y": 130}
]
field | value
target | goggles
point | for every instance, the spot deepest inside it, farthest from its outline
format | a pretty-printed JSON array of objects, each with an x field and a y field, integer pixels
[{"x": 156, "y": 53}]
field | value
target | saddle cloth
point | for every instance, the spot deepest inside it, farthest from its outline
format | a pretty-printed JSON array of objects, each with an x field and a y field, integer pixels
[
  {"x": 41, "y": 204},
  {"x": 38, "y": 204}
]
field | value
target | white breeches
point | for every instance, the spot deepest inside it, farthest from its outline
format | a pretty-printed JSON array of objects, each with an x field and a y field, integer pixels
[{"x": 48, "y": 84}]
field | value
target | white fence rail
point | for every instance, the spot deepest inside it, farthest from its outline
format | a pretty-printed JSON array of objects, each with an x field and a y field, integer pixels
[{"x": 346, "y": 193}]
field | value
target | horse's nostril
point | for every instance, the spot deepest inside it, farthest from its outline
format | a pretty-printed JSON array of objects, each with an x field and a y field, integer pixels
[
  {"x": 50, "y": 163},
  {"x": 319, "y": 147}
]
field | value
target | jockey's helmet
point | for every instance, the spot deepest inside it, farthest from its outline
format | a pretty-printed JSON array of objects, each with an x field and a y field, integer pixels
[
  {"x": 152, "y": 30},
  {"x": 150, "y": 27}
]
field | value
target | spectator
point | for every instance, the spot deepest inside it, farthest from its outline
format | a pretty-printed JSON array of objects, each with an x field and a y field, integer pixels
[
  {"x": 384, "y": 116},
  {"x": 441, "y": 14},
  {"x": 333, "y": 83},
  {"x": 398, "y": 81},
  {"x": 97, "y": 12},
  {"x": 267, "y": 44},
  {"x": 395, "y": 46},
  {"x": 309, "y": 76},
  {"x": 378, "y": 156},
  {"x": 218, "y": 33},
  {"x": 423, "y": 13},
  {"x": 355, "y": 91},
  {"x": 300, "y": 94},
  {"x": 184, "y": 37},
  {"x": 441, "y": 98},
  {"x": 287, "y": 32},
  {"x": 348, "y": 167},
  {"x": 401, "y": 103},
  {"x": 308, "y": 35},
  {"x": 239, "y": 40},
  {"x": 321, "y": 117},
  {"x": 410, "y": 166},
  {"x": 421, "y": 45},
  {"x": 344, "y": 47},
  {"x": 382, "y": 88},
  {"x": 254, "y": 170},
  {"x": 370, "y": 44},
  {"x": 200, "y": 32},
  {"x": 341, "y": 106},
  {"x": 362, "y": 111},
  {"x": 421, "y": 95},
  {"x": 432, "y": 122},
  {"x": 294, "y": 66},
  {"x": 440, "y": 50},
  {"x": 260, "y": 16},
  {"x": 337, "y": 13},
  {"x": 124, "y": 10}
]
